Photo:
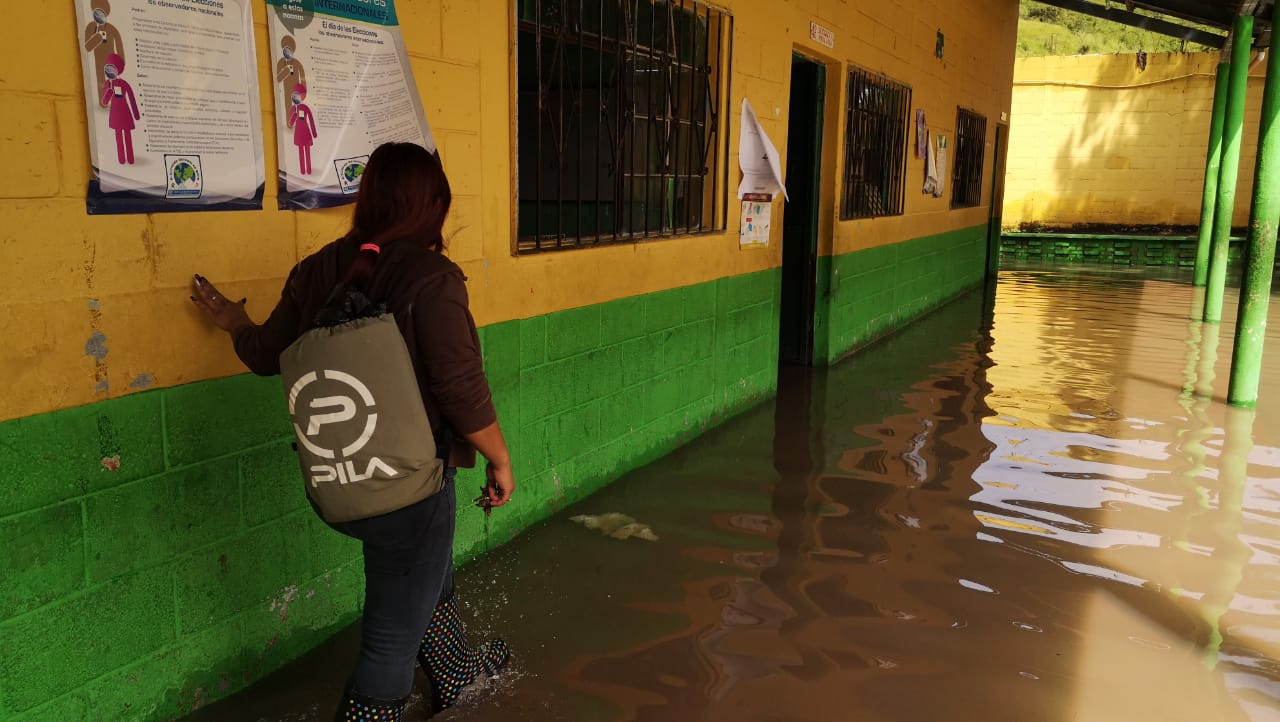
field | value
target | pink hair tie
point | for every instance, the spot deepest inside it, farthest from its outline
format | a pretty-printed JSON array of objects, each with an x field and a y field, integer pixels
[{"x": 371, "y": 247}]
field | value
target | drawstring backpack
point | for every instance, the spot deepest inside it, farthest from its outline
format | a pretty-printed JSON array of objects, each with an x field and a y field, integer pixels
[{"x": 363, "y": 437}]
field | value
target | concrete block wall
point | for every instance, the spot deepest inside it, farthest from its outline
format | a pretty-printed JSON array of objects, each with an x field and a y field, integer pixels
[{"x": 1097, "y": 140}]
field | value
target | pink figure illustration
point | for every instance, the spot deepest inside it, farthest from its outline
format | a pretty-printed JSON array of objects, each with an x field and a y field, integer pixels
[
  {"x": 118, "y": 95},
  {"x": 303, "y": 122}
]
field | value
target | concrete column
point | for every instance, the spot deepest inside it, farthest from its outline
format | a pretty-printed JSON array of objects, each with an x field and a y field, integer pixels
[
  {"x": 1212, "y": 169},
  {"x": 1232, "y": 130},
  {"x": 1255, "y": 295}
]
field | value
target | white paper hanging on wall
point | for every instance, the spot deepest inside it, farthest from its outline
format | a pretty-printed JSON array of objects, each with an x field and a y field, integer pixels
[{"x": 758, "y": 158}]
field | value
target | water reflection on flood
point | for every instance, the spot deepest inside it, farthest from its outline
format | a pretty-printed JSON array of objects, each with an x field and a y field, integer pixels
[{"x": 1041, "y": 513}]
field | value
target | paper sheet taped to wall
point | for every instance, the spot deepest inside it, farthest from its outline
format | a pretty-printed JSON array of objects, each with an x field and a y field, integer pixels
[
  {"x": 757, "y": 218},
  {"x": 758, "y": 158}
]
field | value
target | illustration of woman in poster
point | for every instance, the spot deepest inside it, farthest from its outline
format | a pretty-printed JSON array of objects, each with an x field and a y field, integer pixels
[
  {"x": 303, "y": 122},
  {"x": 289, "y": 71},
  {"x": 118, "y": 96},
  {"x": 101, "y": 37}
]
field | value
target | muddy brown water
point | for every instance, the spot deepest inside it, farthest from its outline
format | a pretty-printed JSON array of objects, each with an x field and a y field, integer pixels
[{"x": 1032, "y": 508}]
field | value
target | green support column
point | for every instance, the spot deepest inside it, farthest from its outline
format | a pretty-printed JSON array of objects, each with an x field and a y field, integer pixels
[
  {"x": 1255, "y": 296},
  {"x": 1212, "y": 168},
  {"x": 1232, "y": 130}
]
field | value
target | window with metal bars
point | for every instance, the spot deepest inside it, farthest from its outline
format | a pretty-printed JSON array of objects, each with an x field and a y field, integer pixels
[
  {"x": 971, "y": 147},
  {"x": 620, "y": 132},
  {"x": 875, "y": 142}
]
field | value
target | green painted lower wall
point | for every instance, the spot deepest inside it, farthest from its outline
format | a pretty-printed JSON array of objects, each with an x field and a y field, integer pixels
[
  {"x": 868, "y": 294},
  {"x": 160, "y": 552}
]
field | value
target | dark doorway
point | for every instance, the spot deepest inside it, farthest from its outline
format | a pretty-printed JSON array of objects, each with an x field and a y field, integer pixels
[
  {"x": 997, "y": 201},
  {"x": 800, "y": 226}
]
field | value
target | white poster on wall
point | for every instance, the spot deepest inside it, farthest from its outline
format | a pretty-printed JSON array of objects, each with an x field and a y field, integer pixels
[
  {"x": 343, "y": 87},
  {"x": 175, "y": 121},
  {"x": 758, "y": 158}
]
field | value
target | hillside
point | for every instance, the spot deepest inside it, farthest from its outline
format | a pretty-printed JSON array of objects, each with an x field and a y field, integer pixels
[{"x": 1047, "y": 30}]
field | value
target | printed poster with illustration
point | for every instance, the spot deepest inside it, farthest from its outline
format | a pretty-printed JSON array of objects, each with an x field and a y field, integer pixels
[
  {"x": 343, "y": 87},
  {"x": 175, "y": 121}
]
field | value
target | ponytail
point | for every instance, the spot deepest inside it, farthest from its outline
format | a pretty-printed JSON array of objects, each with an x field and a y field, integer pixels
[{"x": 361, "y": 269}]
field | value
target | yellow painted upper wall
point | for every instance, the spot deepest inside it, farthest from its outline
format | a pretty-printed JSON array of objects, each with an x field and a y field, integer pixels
[
  {"x": 1096, "y": 139},
  {"x": 71, "y": 276}
]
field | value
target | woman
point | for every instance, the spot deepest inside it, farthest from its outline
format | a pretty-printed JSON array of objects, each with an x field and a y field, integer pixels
[
  {"x": 393, "y": 253},
  {"x": 303, "y": 122},
  {"x": 117, "y": 95}
]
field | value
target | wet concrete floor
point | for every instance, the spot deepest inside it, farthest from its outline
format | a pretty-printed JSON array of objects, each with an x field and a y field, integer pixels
[{"x": 1043, "y": 512}]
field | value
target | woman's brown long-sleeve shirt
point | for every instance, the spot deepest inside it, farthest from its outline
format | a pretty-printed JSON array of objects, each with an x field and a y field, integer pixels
[{"x": 427, "y": 293}]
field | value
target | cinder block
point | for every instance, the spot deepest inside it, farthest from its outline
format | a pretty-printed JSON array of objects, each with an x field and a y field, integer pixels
[
  {"x": 688, "y": 343},
  {"x": 452, "y": 103},
  {"x": 73, "y": 706},
  {"x": 642, "y": 359},
  {"x": 149, "y": 521},
  {"x": 271, "y": 483},
  {"x": 283, "y": 628},
  {"x": 461, "y": 24},
  {"x": 37, "y": 60},
  {"x": 699, "y": 301},
  {"x": 61, "y": 647},
  {"x": 533, "y": 342},
  {"x": 66, "y": 454},
  {"x": 216, "y": 584},
  {"x": 240, "y": 246},
  {"x": 663, "y": 310},
  {"x": 420, "y": 23},
  {"x": 44, "y": 557},
  {"x": 597, "y": 374},
  {"x": 573, "y": 332},
  {"x": 152, "y": 688},
  {"x": 622, "y": 320},
  {"x": 546, "y": 390},
  {"x": 329, "y": 548},
  {"x": 29, "y": 143},
  {"x": 211, "y": 419},
  {"x": 574, "y": 433}
]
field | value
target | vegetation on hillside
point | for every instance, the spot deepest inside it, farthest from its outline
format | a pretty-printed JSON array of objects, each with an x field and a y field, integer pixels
[{"x": 1048, "y": 30}]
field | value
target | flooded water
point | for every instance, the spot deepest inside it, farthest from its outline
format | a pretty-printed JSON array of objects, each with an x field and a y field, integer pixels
[{"x": 1043, "y": 512}]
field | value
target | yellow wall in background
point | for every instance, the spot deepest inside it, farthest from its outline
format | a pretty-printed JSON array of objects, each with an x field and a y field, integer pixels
[
  {"x": 69, "y": 276},
  {"x": 1095, "y": 139}
]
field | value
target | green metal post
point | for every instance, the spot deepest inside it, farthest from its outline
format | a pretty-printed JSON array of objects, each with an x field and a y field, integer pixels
[
  {"x": 1212, "y": 168},
  {"x": 1255, "y": 295},
  {"x": 1232, "y": 130}
]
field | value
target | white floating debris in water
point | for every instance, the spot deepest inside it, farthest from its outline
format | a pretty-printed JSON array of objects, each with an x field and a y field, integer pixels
[
  {"x": 976, "y": 586},
  {"x": 616, "y": 526}
]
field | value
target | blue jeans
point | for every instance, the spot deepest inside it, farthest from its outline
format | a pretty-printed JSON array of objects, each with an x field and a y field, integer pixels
[{"x": 408, "y": 569}]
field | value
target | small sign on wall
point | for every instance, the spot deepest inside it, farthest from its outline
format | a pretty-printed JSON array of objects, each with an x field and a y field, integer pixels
[
  {"x": 822, "y": 36},
  {"x": 757, "y": 217}
]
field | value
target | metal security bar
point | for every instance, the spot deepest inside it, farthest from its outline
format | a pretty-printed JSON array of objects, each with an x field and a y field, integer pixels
[
  {"x": 971, "y": 146},
  {"x": 619, "y": 130},
  {"x": 875, "y": 141}
]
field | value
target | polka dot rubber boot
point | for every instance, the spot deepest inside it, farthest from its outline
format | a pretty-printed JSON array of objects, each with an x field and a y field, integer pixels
[
  {"x": 450, "y": 662},
  {"x": 358, "y": 708}
]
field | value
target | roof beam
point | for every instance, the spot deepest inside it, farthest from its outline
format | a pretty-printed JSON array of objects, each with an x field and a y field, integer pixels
[
  {"x": 1145, "y": 22},
  {"x": 1192, "y": 11}
]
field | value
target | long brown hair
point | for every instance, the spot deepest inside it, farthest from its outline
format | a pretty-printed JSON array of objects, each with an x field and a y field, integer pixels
[{"x": 404, "y": 198}]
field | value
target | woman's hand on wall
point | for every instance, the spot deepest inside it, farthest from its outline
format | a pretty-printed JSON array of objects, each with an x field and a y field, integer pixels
[{"x": 226, "y": 314}]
